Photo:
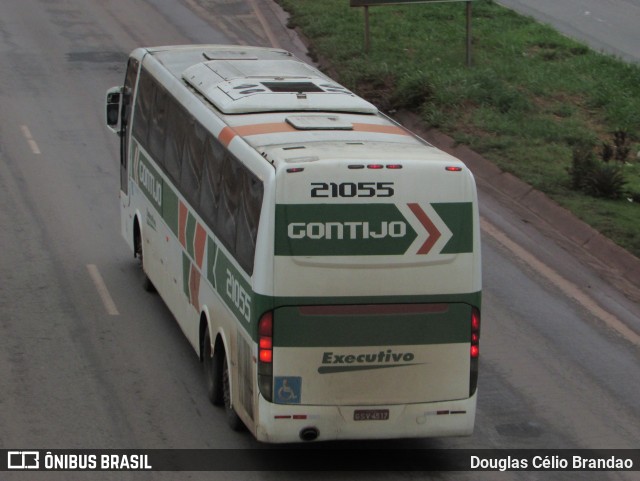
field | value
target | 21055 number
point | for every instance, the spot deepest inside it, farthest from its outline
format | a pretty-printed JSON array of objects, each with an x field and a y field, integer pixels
[{"x": 352, "y": 189}]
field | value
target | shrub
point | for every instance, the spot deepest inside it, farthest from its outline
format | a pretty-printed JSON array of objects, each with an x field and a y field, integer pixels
[
  {"x": 605, "y": 180},
  {"x": 599, "y": 177},
  {"x": 623, "y": 148},
  {"x": 607, "y": 151},
  {"x": 412, "y": 91},
  {"x": 582, "y": 165}
]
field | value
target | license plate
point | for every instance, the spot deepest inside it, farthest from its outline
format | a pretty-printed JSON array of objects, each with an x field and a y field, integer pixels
[{"x": 371, "y": 415}]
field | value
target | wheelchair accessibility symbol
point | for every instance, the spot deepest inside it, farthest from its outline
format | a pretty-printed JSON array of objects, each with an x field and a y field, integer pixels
[{"x": 288, "y": 390}]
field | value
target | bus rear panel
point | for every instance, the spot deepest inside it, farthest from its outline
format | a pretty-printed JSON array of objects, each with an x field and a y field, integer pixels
[{"x": 377, "y": 294}]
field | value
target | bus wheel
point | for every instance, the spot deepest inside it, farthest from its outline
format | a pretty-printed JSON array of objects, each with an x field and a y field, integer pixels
[
  {"x": 213, "y": 371},
  {"x": 233, "y": 419},
  {"x": 146, "y": 283}
]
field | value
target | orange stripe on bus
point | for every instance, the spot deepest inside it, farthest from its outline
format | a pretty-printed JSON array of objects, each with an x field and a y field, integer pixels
[
  {"x": 194, "y": 287},
  {"x": 198, "y": 244},
  {"x": 183, "y": 213},
  {"x": 380, "y": 129},
  {"x": 260, "y": 129},
  {"x": 227, "y": 134}
]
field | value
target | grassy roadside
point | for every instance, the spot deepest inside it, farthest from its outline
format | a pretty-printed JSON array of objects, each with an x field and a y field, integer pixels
[{"x": 532, "y": 100}]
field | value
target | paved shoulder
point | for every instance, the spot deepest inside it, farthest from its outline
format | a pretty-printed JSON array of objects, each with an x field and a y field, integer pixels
[{"x": 611, "y": 27}]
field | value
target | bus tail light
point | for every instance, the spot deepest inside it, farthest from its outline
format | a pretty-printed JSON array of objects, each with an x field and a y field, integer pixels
[
  {"x": 475, "y": 349},
  {"x": 265, "y": 355}
]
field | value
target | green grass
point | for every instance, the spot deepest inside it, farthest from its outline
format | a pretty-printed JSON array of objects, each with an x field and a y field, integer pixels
[{"x": 531, "y": 97}]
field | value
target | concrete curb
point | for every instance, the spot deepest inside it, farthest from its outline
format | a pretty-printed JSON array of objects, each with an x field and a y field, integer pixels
[{"x": 611, "y": 256}]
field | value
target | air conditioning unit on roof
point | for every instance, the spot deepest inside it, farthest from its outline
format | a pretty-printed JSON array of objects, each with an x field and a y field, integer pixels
[{"x": 251, "y": 85}]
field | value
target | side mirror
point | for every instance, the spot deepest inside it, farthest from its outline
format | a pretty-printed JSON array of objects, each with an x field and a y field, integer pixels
[{"x": 114, "y": 104}]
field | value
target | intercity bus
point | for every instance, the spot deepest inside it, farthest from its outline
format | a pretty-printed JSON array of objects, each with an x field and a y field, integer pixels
[{"x": 322, "y": 260}]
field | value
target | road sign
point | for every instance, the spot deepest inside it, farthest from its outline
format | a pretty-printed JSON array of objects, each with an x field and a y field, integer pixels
[
  {"x": 364, "y": 3},
  {"x": 374, "y": 3}
]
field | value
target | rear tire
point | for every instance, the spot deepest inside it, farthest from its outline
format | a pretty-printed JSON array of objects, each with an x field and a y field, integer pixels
[
  {"x": 234, "y": 421},
  {"x": 147, "y": 285},
  {"x": 212, "y": 371}
]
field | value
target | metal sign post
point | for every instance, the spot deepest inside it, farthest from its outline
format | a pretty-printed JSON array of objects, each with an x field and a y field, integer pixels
[
  {"x": 469, "y": 41},
  {"x": 369, "y": 3}
]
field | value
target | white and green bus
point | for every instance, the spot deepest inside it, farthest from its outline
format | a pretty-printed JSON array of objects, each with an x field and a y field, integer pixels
[{"x": 323, "y": 261}]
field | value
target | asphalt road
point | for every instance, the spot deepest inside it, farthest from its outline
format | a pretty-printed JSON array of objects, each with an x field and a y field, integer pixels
[
  {"x": 610, "y": 26},
  {"x": 558, "y": 368}
]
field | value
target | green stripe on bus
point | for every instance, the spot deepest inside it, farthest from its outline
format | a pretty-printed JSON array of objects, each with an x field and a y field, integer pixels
[
  {"x": 341, "y": 230},
  {"x": 235, "y": 291},
  {"x": 190, "y": 234},
  {"x": 262, "y": 304},
  {"x": 170, "y": 208},
  {"x": 459, "y": 219},
  {"x": 366, "y": 229},
  {"x": 293, "y": 327},
  {"x": 186, "y": 271},
  {"x": 212, "y": 249},
  {"x": 150, "y": 181}
]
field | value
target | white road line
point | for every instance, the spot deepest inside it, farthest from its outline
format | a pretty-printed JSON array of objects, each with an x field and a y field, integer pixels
[
  {"x": 265, "y": 25},
  {"x": 33, "y": 145},
  {"x": 107, "y": 300},
  {"x": 566, "y": 286}
]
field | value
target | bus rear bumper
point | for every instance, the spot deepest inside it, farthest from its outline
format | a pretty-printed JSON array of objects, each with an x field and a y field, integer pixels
[{"x": 288, "y": 423}]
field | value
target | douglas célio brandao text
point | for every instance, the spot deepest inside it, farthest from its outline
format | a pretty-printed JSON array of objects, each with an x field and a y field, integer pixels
[{"x": 550, "y": 463}]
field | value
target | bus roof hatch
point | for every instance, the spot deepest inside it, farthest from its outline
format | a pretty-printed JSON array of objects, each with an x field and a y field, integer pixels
[{"x": 246, "y": 86}]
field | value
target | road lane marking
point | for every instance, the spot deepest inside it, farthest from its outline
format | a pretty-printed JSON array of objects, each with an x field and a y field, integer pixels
[
  {"x": 101, "y": 287},
  {"x": 217, "y": 21},
  {"x": 265, "y": 25},
  {"x": 33, "y": 145},
  {"x": 567, "y": 287}
]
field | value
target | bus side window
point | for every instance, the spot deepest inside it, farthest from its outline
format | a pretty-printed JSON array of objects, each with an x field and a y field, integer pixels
[
  {"x": 174, "y": 139},
  {"x": 226, "y": 208},
  {"x": 157, "y": 125},
  {"x": 211, "y": 181},
  {"x": 192, "y": 162},
  {"x": 129, "y": 84},
  {"x": 127, "y": 99},
  {"x": 146, "y": 94},
  {"x": 248, "y": 216},
  {"x": 253, "y": 204}
]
